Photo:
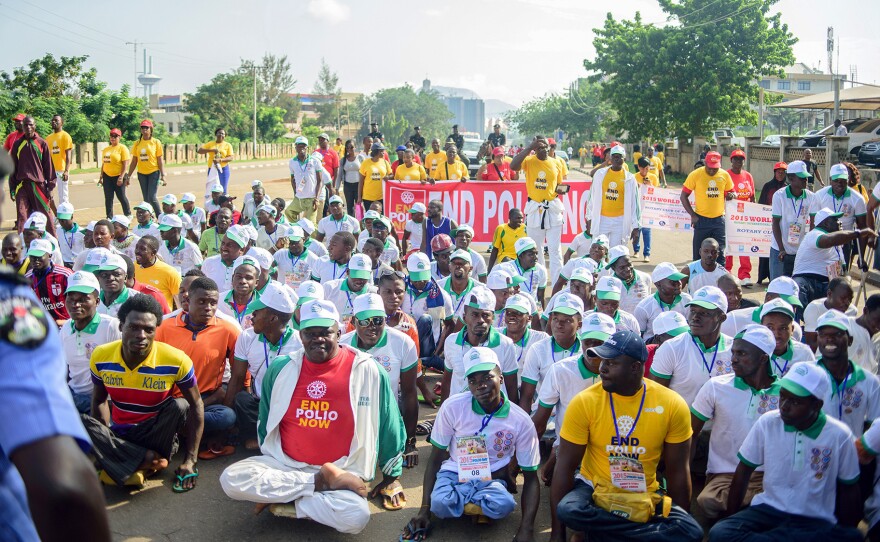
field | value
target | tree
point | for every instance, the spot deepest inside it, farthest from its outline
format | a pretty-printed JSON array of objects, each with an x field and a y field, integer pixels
[
  {"x": 275, "y": 82},
  {"x": 226, "y": 101},
  {"x": 579, "y": 114},
  {"x": 327, "y": 84},
  {"x": 686, "y": 78},
  {"x": 410, "y": 108}
]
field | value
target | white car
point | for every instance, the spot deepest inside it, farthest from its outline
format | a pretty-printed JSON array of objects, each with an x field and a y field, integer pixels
[{"x": 772, "y": 140}]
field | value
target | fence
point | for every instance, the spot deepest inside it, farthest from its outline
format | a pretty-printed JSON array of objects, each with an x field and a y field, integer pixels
[{"x": 86, "y": 155}]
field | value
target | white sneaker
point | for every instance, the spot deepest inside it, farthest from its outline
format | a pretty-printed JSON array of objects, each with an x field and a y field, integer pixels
[
  {"x": 747, "y": 282},
  {"x": 647, "y": 259}
]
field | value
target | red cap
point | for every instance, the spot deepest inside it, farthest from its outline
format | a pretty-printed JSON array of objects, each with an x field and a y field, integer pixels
[
  {"x": 713, "y": 159},
  {"x": 738, "y": 153},
  {"x": 780, "y": 165},
  {"x": 551, "y": 141},
  {"x": 146, "y": 122},
  {"x": 20, "y": 116},
  {"x": 498, "y": 151},
  {"x": 614, "y": 144},
  {"x": 441, "y": 242},
  {"x": 116, "y": 131}
]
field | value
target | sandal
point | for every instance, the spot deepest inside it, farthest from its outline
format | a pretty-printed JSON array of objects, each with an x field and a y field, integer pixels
[
  {"x": 178, "y": 485},
  {"x": 416, "y": 534},
  {"x": 424, "y": 428},
  {"x": 137, "y": 479},
  {"x": 389, "y": 493},
  {"x": 211, "y": 453}
]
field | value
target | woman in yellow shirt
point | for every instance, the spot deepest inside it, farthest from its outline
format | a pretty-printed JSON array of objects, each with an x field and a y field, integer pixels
[
  {"x": 146, "y": 156},
  {"x": 219, "y": 155},
  {"x": 114, "y": 160},
  {"x": 452, "y": 169},
  {"x": 373, "y": 173},
  {"x": 409, "y": 170}
]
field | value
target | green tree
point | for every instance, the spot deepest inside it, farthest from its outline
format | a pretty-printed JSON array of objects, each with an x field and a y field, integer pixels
[
  {"x": 693, "y": 75},
  {"x": 275, "y": 83},
  {"x": 423, "y": 109},
  {"x": 226, "y": 101},
  {"x": 579, "y": 113},
  {"x": 327, "y": 84}
]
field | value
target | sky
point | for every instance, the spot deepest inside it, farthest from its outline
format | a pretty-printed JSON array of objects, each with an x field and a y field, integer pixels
[{"x": 510, "y": 50}]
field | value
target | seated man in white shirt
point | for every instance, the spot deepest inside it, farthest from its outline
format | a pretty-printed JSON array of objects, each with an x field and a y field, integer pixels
[
  {"x": 839, "y": 297},
  {"x": 779, "y": 288}
]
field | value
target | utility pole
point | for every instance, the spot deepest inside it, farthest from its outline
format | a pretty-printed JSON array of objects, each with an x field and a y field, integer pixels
[
  {"x": 253, "y": 67},
  {"x": 134, "y": 45}
]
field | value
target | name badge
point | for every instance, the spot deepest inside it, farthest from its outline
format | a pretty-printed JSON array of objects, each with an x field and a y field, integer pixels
[
  {"x": 627, "y": 473},
  {"x": 794, "y": 233},
  {"x": 473, "y": 459}
]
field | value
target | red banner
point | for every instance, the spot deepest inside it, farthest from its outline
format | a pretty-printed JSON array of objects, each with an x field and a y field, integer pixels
[{"x": 484, "y": 204}]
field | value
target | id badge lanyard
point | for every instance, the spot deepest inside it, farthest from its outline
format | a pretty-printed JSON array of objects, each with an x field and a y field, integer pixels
[
  {"x": 488, "y": 417},
  {"x": 708, "y": 366},
  {"x": 635, "y": 421}
]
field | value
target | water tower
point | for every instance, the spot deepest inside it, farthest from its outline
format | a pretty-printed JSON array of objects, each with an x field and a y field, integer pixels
[{"x": 147, "y": 78}]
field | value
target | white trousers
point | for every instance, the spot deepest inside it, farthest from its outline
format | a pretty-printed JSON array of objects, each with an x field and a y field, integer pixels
[
  {"x": 63, "y": 188},
  {"x": 612, "y": 227},
  {"x": 553, "y": 237},
  {"x": 262, "y": 479}
]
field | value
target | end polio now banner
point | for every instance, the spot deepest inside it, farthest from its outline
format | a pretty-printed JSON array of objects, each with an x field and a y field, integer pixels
[
  {"x": 748, "y": 227},
  {"x": 482, "y": 204}
]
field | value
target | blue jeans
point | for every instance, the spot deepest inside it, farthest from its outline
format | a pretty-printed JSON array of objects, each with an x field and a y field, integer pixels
[
  {"x": 577, "y": 511},
  {"x": 449, "y": 497},
  {"x": 812, "y": 287},
  {"x": 706, "y": 228},
  {"x": 224, "y": 177},
  {"x": 83, "y": 402},
  {"x": 780, "y": 269},
  {"x": 646, "y": 235},
  {"x": 427, "y": 343},
  {"x": 218, "y": 417},
  {"x": 763, "y": 523}
]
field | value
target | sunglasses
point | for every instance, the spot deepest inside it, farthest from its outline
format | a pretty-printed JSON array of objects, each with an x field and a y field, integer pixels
[
  {"x": 384, "y": 272},
  {"x": 374, "y": 321}
]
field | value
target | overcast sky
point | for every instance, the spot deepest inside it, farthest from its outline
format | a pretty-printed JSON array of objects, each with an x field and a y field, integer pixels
[{"x": 511, "y": 50}]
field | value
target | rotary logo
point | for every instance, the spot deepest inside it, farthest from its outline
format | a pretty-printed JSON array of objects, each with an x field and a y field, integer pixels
[
  {"x": 407, "y": 197},
  {"x": 624, "y": 424},
  {"x": 316, "y": 389}
]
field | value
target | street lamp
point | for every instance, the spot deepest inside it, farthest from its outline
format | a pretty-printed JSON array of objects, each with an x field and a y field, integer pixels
[{"x": 253, "y": 67}]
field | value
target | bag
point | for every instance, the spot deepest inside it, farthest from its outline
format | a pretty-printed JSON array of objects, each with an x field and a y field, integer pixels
[
  {"x": 359, "y": 211},
  {"x": 635, "y": 507}
]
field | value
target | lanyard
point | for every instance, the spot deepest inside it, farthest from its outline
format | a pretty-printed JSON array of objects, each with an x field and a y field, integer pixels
[
  {"x": 298, "y": 258},
  {"x": 635, "y": 422},
  {"x": 782, "y": 369},
  {"x": 521, "y": 272},
  {"x": 488, "y": 417},
  {"x": 342, "y": 271},
  {"x": 834, "y": 201},
  {"x": 799, "y": 209},
  {"x": 37, "y": 284},
  {"x": 840, "y": 390},
  {"x": 463, "y": 297},
  {"x": 266, "y": 347},
  {"x": 553, "y": 344},
  {"x": 67, "y": 240},
  {"x": 239, "y": 314},
  {"x": 714, "y": 354},
  {"x": 270, "y": 235}
]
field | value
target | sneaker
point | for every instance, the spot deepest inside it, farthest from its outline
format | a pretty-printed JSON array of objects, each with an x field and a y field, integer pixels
[
  {"x": 647, "y": 259},
  {"x": 747, "y": 282}
]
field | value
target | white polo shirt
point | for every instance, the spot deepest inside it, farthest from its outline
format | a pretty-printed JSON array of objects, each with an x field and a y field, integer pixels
[
  {"x": 150, "y": 229},
  {"x": 458, "y": 300},
  {"x": 219, "y": 272},
  {"x": 688, "y": 365},
  {"x": 734, "y": 407},
  {"x": 817, "y": 308},
  {"x": 509, "y": 433},
  {"x": 652, "y": 307},
  {"x": 738, "y": 319},
  {"x": 71, "y": 243},
  {"x": 306, "y": 179},
  {"x": 812, "y": 259},
  {"x": 625, "y": 321},
  {"x": 324, "y": 269},
  {"x": 801, "y": 469},
  {"x": 316, "y": 247},
  {"x": 328, "y": 226},
  {"x": 580, "y": 245},
  {"x": 796, "y": 353},
  {"x": 851, "y": 204},
  {"x": 253, "y": 349},
  {"x": 390, "y": 253},
  {"x": 478, "y": 264},
  {"x": 863, "y": 351},
  {"x": 113, "y": 309},
  {"x": 854, "y": 401},
  {"x": 562, "y": 382},
  {"x": 699, "y": 277},
  {"x": 79, "y": 345},
  {"x": 395, "y": 352},
  {"x": 183, "y": 257},
  {"x": 871, "y": 441},
  {"x": 456, "y": 347},
  {"x": 266, "y": 240},
  {"x": 294, "y": 270},
  {"x": 536, "y": 277},
  {"x": 417, "y": 305},
  {"x": 242, "y": 315},
  {"x": 633, "y": 294},
  {"x": 435, "y": 272},
  {"x": 338, "y": 293},
  {"x": 792, "y": 211},
  {"x": 415, "y": 234},
  {"x": 523, "y": 345},
  {"x": 198, "y": 217},
  {"x": 544, "y": 354}
]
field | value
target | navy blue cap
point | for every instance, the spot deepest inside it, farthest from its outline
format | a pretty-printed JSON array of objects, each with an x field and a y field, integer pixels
[
  {"x": 401, "y": 147},
  {"x": 622, "y": 343}
]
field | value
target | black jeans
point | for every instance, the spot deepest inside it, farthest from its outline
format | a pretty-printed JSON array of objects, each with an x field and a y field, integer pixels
[
  {"x": 111, "y": 189},
  {"x": 706, "y": 228},
  {"x": 149, "y": 187},
  {"x": 351, "y": 195}
]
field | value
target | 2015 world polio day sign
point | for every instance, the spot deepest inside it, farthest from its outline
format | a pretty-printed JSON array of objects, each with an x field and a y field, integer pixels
[
  {"x": 749, "y": 227},
  {"x": 482, "y": 204},
  {"x": 662, "y": 209}
]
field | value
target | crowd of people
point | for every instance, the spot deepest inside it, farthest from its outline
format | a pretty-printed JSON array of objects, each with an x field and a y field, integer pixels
[{"x": 298, "y": 331}]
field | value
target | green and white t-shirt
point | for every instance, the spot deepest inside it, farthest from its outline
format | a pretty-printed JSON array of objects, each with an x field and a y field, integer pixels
[
  {"x": 395, "y": 352},
  {"x": 562, "y": 382},
  {"x": 652, "y": 307},
  {"x": 687, "y": 364},
  {"x": 456, "y": 346},
  {"x": 338, "y": 293},
  {"x": 542, "y": 356},
  {"x": 854, "y": 401},
  {"x": 113, "y": 308},
  {"x": 640, "y": 288},
  {"x": 329, "y": 226},
  {"x": 79, "y": 345},
  {"x": 535, "y": 278},
  {"x": 294, "y": 270},
  {"x": 253, "y": 348}
]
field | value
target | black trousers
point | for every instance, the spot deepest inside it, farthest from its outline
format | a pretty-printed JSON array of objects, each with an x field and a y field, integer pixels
[{"x": 111, "y": 189}]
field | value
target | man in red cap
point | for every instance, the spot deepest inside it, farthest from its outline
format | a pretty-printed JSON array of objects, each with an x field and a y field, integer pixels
[
  {"x": 710, "y": 186},
  {"x": 34, "y": 179},
  {"x": 744, "y": 187},
  {"x": 15, "y": 134}
]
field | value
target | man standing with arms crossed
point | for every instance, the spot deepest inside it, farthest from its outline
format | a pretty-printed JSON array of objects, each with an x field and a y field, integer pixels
[
  {"x": 61, "y": 148},
  {"x": 544, "y": 211},
  {"x": 34, "y": 179},
  {"x": 710, "y": 185}
]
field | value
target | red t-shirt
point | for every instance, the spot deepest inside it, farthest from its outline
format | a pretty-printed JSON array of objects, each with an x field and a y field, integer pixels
[
  {"x": 154, "y": 293},
  {"x": 743, "y": 185},
  {"x": 491, "y": 172},
  {"x": 10, "y": 139},
  {"x": 331, "y": 160},
  {"x": 652, "y": 349},
  {"x": 319, "y": 424}
]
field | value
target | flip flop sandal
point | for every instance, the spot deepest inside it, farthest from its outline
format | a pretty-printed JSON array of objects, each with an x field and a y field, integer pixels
[
  {"x": 137, "y": 479},
  {"x": 414, "y": 534},
  {"x": 438, "y": 389},
  {"x": 211, "y": 453},
  {"x": 178, "y": 485},
  {"x": 424, "y": 428},
  {"x": 389, "y": 493}
]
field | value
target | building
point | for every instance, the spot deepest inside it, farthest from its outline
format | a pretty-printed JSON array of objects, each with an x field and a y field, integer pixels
[
  {"x": 467, "y": 108},
  {"x": 309, "y": 104},
  {"x": 800, "y": 80},
  {"x": 168, "y": 110}
]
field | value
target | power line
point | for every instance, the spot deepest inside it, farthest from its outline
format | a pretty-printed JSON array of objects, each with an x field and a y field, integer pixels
[{"x": 93, "y": 47}]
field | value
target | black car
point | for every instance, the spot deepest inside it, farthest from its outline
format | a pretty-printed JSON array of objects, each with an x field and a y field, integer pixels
[
  {"x": 869, "y": 154},
  {"x": 818, "y": 139}
]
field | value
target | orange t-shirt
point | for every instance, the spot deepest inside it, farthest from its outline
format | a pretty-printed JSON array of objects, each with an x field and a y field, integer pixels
[
  {"x": 743, "y": 185},
  {"x": 208, "y": 350},
  {"x": 319, "y": 424}
]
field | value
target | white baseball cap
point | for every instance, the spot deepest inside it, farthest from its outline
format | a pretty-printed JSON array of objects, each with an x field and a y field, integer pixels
[
  {"x": 799, "y": 168},
  {"x": 519, "y": 303},
  {"x": 598, "y": 326},
  {"x": 498, "y": 279},
  {"x": 91, "y": 225},
  {"x": 296, "y": 233},
  {"x": 246, "y": 259},
  {"x": 759, "y": 336},
  {"x": 615, "y": 254},
  {"x": 709, "y": 297},
  {"x": 618, "y": 149},
  {"x": 309, "y": 290},
  {"x": 462, "y": 255},
  {"x": 825, "y": 213},
  {"x": 113, "y": 262},
  {"x": 334, "y": 199},
  {"x": 368, "y": 306},
  {"x": 601, "y": 240},
  {"x": 250, "y": 232},
  {"x": 665, "y": 270},
  {"x": 65, "y": 211},
  {"x": 263, "y": 257},
  {"x": 371, "y": 215},
  {"x": 609, "y": 287},
  {"x": 169, "y": 199},
  {"x": 832, "y": 318},
  {"x": 671, "y": 323},
  {"x": 582, "y": 274},
  {"x": 168, "y": 221},
  {"x": 144, "y": 206},
  {"x": 276, "y": 297},
  {"x": 36, "y": 222},
  {"x": 83, "y": 282},
  {"x": 307, "y": 225},
  {"x": 122, "y": 220},
  {"x": 524, "y": 243},
  {"x": 479, "y": 359},
  {"x": 39, "y": 248},
  {"x": 787, "y": 289},
  {"x": 419, "y": 267},
  {"x": 777, "y": 305},
  {"x": 217, "y": 188},
  {"x": 94, "y": 257},
  {"x": 360, "y": 266},
  {"x": 805, "y": 379},
  {"x": 268, "y": 209},
  {"x": 318, "y": 313},
  {"x": 301, "y": 140},
  {"x": 255, "y": 183},
  {"x": 567, "y": 303},
  {"x": 464, "y": 228},
  {"x": 418, "y": 207},
  {"x": 481, "y": 298},
  {"x": 188, "y": 197},
  {"x": 839, "y": 171},
  {"x": 238, "y": 235}
]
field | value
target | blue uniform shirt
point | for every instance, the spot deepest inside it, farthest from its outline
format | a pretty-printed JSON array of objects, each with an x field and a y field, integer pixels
[{"x": 35, "y": 402}]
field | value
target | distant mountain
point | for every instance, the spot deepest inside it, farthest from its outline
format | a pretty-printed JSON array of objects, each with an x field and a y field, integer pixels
[{"x": 497, "y": 108}]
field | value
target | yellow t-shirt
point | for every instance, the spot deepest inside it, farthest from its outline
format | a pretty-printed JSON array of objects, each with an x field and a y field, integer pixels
[
  {"x": 373, "y": 173},
  {"x": 147, "y": 153},
  {"x": 112, "y": 158},
  {"x": 542, "y": 176},
  {"x": 582, "y": 152},
  {"x": 432, "y": 160},
  {"x": 636, "y": 156},
  {"x": 415, "y": 173},
  {"x": 613, "y": 193},
  {"x": 651, "y": 177},
  {"x": 656, "y": 165},
  {"x": 340, "y": 149},
  {"x": 451, "y": 172},
  {"x": 59, "y": 144},
  {"x": 225, "y": 150},
  {"x": 161, "y": 276},
  {"x": 708, "y": 191},
  {"x": 662, "y": 158},
  {"x": 563, "y": 167},
  {"x": 505, "y": 238},
  {"x": 589, "y": 421}
]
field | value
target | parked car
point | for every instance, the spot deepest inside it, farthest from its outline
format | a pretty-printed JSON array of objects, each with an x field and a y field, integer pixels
[
  {"x": 563, "y": 155},
  {"x": 869, "y": 153},
  {"x": 818, "y": 139},
  {"x": 864, "y": 133},
  {"x": 470, "y": 149},
  {"x": 727, "y": 132},
  {"x": 772, "y": 140},
  {"x": 811, "y": 132}
]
